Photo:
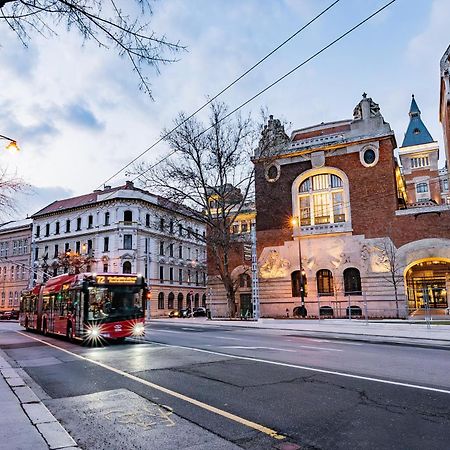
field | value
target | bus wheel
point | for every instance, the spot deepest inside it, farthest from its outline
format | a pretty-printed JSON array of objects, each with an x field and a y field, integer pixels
[
  {"x": 26, "y": 324},
  {"x": 70, "y": 332},
  {"x": 120, "y": 340}
]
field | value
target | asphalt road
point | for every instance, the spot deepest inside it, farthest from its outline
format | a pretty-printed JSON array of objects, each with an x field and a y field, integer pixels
[{"x": 190, "y": 385}]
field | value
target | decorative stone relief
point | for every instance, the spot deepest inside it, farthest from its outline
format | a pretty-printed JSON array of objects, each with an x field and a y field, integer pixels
[
  {"x": 318, "y": 159},
  {"x": 274, "y": 266}
]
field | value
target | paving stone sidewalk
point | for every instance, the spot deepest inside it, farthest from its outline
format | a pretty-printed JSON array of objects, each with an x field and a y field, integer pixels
[{"x": 27, "y": 424}]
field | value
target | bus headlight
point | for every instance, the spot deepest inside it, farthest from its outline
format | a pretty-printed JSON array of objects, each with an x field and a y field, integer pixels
[
  {"x": 94, "y": 331},
  {"x": 138, "y": 329}
]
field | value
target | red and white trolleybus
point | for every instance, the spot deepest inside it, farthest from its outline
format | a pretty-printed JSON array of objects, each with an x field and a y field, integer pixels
[{"x": 87, "y": 306}]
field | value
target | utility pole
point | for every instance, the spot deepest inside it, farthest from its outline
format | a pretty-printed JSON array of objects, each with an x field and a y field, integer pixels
[{"x": 255, "y": 281}]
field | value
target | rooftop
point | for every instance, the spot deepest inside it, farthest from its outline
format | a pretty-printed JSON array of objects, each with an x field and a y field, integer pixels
[
  {"x": 417, "y": 132},
  {"x": 15, "y": 224}
]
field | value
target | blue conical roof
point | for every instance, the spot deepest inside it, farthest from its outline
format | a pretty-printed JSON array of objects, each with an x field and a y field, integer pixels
[{"x": 417, "y": 132}]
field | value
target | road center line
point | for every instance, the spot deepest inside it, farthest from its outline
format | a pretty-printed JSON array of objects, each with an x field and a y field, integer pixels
[
  {"x": 314, "y": 347},
  {"x": 310, "y": 369},
  {"x": 205, "y": 406},
  {"x": 241, "y": 347}
]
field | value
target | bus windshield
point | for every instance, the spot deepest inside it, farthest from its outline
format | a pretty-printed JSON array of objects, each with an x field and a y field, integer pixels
[{"x": 111, "y": 303}]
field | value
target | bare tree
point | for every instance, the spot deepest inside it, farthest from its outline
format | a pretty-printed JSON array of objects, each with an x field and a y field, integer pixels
[
  {"x": 72, "y": 262},
  {"x": 209, "y": 171},
  {"x": 9, "y": 186},
  {"x": 101, "y": 21},
  {"x": 389, "y": 258}
]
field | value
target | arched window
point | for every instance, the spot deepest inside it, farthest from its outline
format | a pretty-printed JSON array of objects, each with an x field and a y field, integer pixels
[
  {"x": 161, "y": 300},
  {"x": 325, "y": 282},
  {"x": 245, "y": 280},
  {"x": 126, "y": 268},
  {"x": 352, "y": 281},
  {"x": 107, "y": 218},
  {"x": 204, "y": 300},
  {"x": 180, "y": 301},
  {"x": 196, "y": 301},
  {"x": 296, "y": 285},
  {"x": 322, "y": 200},
  {"x": 127, "y": 216},
  {"x": 3, "y": 298},
  {"x": 170, "y": 300}
]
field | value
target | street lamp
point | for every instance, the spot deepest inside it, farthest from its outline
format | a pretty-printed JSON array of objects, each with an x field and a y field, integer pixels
[
  {"x": 302, "y": 310},
  {"x": 12, "y": 144}
]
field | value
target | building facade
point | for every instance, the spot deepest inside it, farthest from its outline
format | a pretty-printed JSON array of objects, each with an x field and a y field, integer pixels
[
  {"x": 335, "y": 222},
  {"x": 15, "y": 261},
  {"x": 444, "y": 108},
  {"x": 125, "y": 230}
]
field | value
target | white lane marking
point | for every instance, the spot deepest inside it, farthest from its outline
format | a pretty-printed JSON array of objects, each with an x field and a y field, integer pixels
[
  {"x": 311, "y": 369},
  {"x": 220, "y": 412},
  {"x": 188, "y": 329},
  {"x": 169, "y": 331},
  {"x": 347, "y": 343},
  {"x": 225, "y": 337},
  {"x": 314, "y": 347},
  {"x": 257, "y": 348}
]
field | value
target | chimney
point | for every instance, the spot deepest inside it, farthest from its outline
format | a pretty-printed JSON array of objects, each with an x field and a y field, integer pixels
[{"x": 129, "y": 185}]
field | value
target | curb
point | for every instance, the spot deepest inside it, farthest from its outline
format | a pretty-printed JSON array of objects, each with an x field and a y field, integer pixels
[
  {"x": 339, "y": 335},
  {"x": 54, "y": 434}
]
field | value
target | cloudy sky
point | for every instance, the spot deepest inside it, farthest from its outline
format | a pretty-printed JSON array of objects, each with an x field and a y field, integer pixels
[{"x": 79, "y": 116}]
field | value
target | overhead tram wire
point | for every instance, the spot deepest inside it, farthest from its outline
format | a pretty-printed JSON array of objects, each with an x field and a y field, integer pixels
[
  {"x": 223, "y": 90},
  {"x": 211, "y": 100},
  {"x": 249, "y": 100},
  {"x": 273, "y": 84}
]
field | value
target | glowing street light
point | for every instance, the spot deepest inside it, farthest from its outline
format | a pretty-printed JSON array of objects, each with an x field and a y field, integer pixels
[
  {"x": 295, "y": 222},
  {"x": 12, "y": 144}
]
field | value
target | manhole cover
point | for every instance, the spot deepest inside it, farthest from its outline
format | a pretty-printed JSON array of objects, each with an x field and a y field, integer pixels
[{"x": 287, "y": 446}]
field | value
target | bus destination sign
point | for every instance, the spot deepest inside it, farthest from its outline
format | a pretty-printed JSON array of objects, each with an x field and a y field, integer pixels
[{"x": 113, "y": 279}]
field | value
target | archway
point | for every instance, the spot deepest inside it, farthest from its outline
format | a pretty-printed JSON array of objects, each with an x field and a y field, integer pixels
[{"x": 427, "y": 283}]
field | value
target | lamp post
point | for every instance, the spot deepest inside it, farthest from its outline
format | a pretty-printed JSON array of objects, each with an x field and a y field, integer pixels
[
  {"x": 302, "y": 311},
  {"x": 12, "y": 144}
]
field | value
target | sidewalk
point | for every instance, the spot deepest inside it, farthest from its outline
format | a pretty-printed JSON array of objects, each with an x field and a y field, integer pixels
[
  {"x": 389, "y": 332},
  {"x": 26, "y": 422}
]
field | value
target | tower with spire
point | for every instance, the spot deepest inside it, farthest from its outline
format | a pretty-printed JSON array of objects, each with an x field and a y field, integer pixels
[{"x": 419, "y": 155}]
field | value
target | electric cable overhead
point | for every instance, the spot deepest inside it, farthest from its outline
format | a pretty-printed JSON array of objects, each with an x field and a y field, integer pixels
[
  {"x": 323, "y": 49},
  {"x": 222, "y": 91},
  {"x": 362, "y": 22}
]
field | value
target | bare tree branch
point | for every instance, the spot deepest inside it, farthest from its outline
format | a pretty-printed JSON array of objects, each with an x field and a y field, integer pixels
[
  {"x": 210, "y": 170},
  {"x": 9, "y": 186},
  {"x": 105, "y": 24}
]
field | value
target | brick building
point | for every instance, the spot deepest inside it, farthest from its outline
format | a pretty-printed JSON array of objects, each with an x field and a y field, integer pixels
[
  {"x": 363, "y": 243},
  {"x": 444, "y": 110},
  {"x": 15, "y": 239}
]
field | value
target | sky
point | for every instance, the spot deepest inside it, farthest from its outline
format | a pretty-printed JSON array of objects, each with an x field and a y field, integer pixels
[{"x": 78, "y": 114}]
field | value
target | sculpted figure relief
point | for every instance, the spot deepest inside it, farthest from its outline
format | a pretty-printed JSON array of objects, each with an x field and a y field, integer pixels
[{"x": 274, "y": 266}]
